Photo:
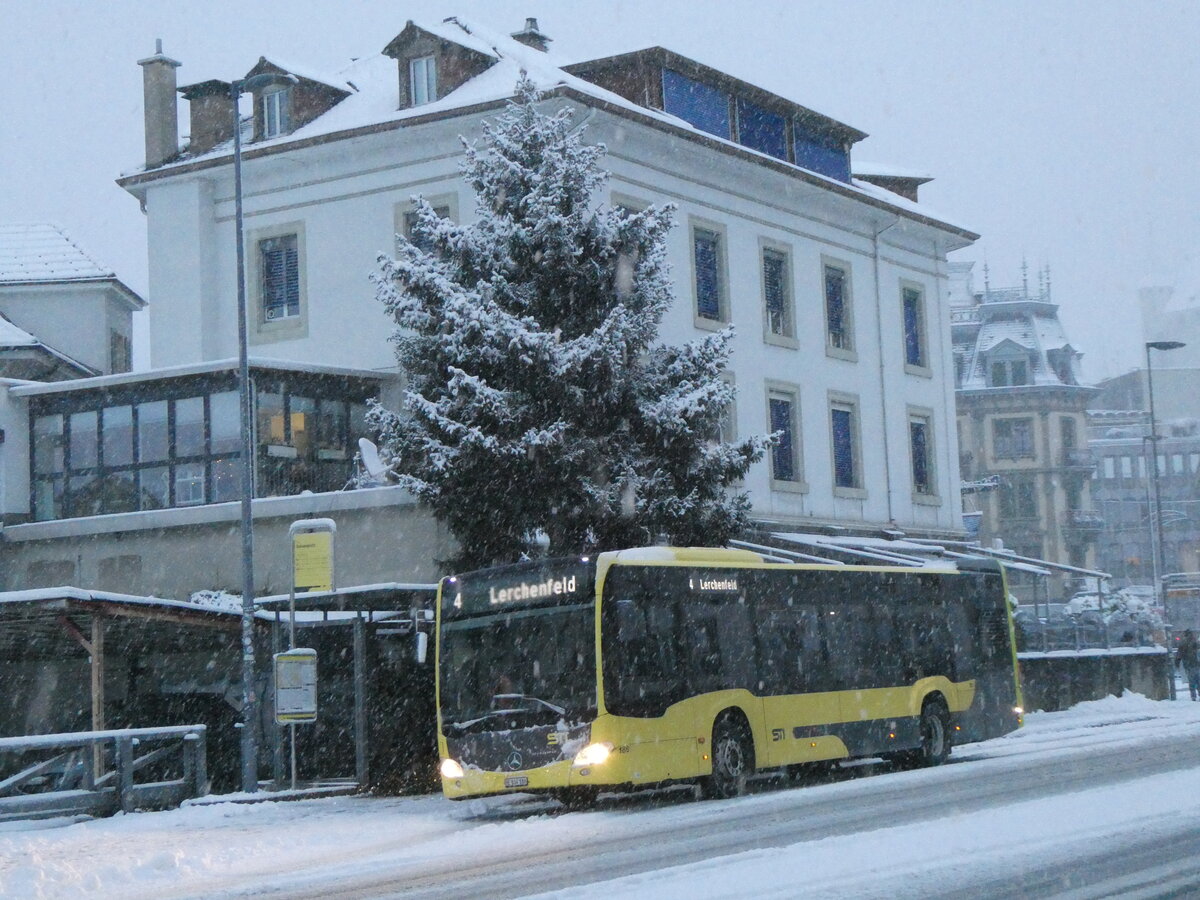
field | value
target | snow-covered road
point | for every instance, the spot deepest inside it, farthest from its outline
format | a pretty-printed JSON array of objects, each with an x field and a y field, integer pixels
[{"x": 1103, "y": 799}]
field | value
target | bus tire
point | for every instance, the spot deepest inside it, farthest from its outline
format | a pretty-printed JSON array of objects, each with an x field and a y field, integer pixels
[
  {"x": 935, "y": 734},
  {"x": 732, "y": 759}
]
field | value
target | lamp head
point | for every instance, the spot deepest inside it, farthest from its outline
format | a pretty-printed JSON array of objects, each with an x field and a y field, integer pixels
[
  {"x": 1164, "y": 345},
  {"x": 265, "y": 79}
]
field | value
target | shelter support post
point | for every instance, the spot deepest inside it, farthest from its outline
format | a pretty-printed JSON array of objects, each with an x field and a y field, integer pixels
[
  {"x": 360, "y": 701},
  {"x": 277, "y": 764},
  {"x": 97, "y": 667}
]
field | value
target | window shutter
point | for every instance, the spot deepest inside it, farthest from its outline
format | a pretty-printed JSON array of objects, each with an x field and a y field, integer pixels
[
  {"x": 773, "y": 288},
  {"x": 913, "y": 352},
  {"x": 835, "y": 307},
  {"x": 782, "y": 461},
  {"x": 843, "y": 448},
  {"x": 280, "y": 277},
  {"x": 708, "y": 275},
  {"x": 920, "y": 456}
]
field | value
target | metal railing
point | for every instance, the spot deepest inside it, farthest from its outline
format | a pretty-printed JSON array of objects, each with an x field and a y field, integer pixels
[
  {"x": 1085, "y": 634},
  {"x": 97, "y": 772}
]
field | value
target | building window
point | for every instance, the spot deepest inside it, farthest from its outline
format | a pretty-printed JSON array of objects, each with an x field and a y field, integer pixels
[
  {"x": 913, "y": 301},
  {"x": 783, "y": 422},
  {"x": 847, "y": 468},
  {"x": 422, "y": 242},
  {"x": 120, "y": 353},
  {"x": 777, "y": 294},
  {"x": 701, "y": 105},
  {"x": 920, "y": 448},
  {"x": 1018, "y": 498},
  {"x": 144, "y": 454},
  {"x": 823, "y": 153},
  {"x": 1012, "y": 438},
  {"x": 1008, "y": 373},
  {"x": 838, "y": 332},
  {"x": 422, "y": 80},
  {"x": 707, "y": 258},
  {"x": 279, "y": 259},
  {"x": 762, "y": 130},
  {"x": 276, "y": 117}
]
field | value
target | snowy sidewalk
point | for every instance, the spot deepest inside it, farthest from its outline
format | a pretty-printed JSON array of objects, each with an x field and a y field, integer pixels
[{"x": 213, "y": 849}]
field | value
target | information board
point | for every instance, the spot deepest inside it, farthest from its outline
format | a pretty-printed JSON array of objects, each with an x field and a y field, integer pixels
[
  {"x": 313, "y": 561},
  {"x": 296, "y": 686}
]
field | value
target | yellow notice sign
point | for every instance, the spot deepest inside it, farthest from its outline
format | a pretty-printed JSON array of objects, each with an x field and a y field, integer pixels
[{"x": 312, "y": 561}]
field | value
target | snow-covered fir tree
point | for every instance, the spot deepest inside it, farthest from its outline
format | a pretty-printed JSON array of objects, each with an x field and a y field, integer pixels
[{"x": 537, "y": 399}]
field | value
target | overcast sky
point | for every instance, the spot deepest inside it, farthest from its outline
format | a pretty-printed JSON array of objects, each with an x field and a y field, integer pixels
[{"x": 1064, "y": 132}]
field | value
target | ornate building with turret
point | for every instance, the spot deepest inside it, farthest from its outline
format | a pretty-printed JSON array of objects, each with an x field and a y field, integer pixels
[{"x": 1022, "y": 421}]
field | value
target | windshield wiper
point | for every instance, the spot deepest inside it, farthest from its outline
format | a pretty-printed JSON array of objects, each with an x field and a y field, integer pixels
[{"x": 520, "y": 698}]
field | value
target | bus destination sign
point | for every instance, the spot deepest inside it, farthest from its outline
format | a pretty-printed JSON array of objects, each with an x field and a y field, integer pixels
[{"x": 547, "y": 584}]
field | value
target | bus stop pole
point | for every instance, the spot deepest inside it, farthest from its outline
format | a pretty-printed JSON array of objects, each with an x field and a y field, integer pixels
[{"x": 360, "y": 701}]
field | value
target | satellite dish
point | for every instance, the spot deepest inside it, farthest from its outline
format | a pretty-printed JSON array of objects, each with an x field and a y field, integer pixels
[{"x": 374, "y": 466}]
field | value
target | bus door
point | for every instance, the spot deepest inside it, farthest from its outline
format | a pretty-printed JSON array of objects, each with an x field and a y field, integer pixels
[
  {"x": 792, "y": 679},
  {"x": 719, "y": 642}
]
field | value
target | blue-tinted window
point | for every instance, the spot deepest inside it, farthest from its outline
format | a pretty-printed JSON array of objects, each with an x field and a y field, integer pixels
[
  {"x": 761, "y": 130},
  {"x": 702, "y": 105},
  {"x": 707, "y": 248},
  {"x": 783, "y": 458},
  {"x": 914, "y": 343},
  {"x": 822, "y": 154},
  {"x": 842, "y": 421}
]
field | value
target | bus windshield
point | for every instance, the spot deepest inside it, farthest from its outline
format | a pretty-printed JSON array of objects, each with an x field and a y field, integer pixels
[{"x": 516, "y": 653}]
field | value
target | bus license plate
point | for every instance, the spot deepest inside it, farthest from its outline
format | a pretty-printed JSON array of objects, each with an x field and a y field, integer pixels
[{"x": 516, "y": 781}]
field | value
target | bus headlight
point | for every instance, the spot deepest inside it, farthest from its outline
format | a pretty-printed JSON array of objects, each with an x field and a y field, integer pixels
[
  {"x": 451, "y": 769},
  {"x": 593, "y": 754},
  {"x": 1019, "y": 710}
]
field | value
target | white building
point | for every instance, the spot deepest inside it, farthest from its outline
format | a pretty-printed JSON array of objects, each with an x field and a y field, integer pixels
[{"x": 837, "y": 285}]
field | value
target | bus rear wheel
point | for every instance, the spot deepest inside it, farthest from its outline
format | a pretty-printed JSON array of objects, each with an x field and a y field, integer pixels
[{"x": 732, "y": 759}]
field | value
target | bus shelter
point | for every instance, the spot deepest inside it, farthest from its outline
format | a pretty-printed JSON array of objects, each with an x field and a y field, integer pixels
[{"x": 375, "y": 716}]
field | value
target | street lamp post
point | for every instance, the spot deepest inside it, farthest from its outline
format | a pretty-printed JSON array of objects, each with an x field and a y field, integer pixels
[
  {"x": 250, "y": 712},
  {"x": 1160, "y": 555}
]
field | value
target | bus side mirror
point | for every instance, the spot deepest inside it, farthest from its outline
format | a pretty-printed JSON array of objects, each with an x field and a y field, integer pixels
[{"x": 422, "y": 646}]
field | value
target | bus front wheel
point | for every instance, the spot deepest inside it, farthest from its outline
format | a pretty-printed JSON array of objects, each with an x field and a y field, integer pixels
[
  {"x": 935, "y": 734},
  {"x": 732, "y": 759}
]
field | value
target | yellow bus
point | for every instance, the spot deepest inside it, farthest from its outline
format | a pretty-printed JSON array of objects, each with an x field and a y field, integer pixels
[{"x": 657, "y": 665}]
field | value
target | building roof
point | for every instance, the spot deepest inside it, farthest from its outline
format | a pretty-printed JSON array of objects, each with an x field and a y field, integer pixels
[
  {"x": 375, "y": 105},
  {"x": 12, "y": 336},
  {"x": 42, "y": 252}
]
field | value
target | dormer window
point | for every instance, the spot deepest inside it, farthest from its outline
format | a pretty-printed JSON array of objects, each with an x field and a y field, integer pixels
[
  {"x": 1009, "y": 373},
  {"x": 422, "y": 80},
  {"x": 276, "y": 119}
]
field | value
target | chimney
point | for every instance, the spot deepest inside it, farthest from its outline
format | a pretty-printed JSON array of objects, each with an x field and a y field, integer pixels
[
  {"x": 162, "y": 120},
  {"x": 531, "y": 37},
  {"x": 211, "y": 107}
]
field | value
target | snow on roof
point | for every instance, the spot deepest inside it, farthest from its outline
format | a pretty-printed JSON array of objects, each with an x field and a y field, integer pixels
[
  {"x": 1050, "y": 333},
  {"x": 44, "y": 252},
  {"x": 308, "y": 74},
  {"x": 180, "y": 371},
  {"x": 886, "y": 170},
  {"x": 12, "y": 336},
  {"x": 377, "y": 100},
  {"x": 459, "y": 30},
  {"x": 1019, "y": 331}
]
